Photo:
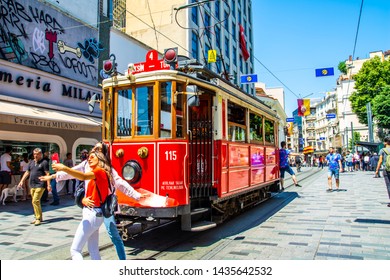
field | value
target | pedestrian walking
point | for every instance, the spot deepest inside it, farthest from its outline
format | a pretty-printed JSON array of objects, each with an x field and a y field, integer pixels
[
  {"x": 321, "y": 162},
  {"x": 357, "y": 161},
  {"x": 374, "y": 164},
  {"x": 23, "y": 168},
  {"x": 349, "y": 160},
  {"x": 69, "y": 163},
  {"x": 117, "y": 183},
  {"x": 334, "y": 167},
  {"x": 383, "y": 158},
  {"x": 6, "y": 168},
  {"x": 36, "y": 168},
  {"x": 366, "y": 161},
  {"x": 284, "y": 165},
  {"x": 54, "y": 158}
]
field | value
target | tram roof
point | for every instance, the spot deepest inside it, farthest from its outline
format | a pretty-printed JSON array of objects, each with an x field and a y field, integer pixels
[{"x": 197, "y": 73}]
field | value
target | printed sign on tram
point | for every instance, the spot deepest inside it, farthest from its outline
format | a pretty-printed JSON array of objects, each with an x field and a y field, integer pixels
[
  {"x": 171, "y": 166},
  {"x": 152, "y": 63}
]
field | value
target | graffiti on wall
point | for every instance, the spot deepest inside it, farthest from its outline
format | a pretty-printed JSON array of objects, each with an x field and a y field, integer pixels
[{"x": 36, "y": 35}]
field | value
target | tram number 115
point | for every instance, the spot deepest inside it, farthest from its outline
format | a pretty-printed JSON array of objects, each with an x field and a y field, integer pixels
[{"x": 170, "y": 155}]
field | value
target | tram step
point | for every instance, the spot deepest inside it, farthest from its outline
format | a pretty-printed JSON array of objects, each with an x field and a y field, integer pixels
[
  {"x": 202, "y": 225},
  {"x": 199, "y": 211}
]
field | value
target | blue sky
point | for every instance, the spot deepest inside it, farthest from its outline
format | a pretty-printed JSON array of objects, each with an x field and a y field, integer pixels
[{"x": 294, "y": 37}]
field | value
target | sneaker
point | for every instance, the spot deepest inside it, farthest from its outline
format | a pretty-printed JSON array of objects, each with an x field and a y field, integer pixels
[
  {"x": 329, "y": 190},
  {"x": 37, "y": 222},
  {"x": 298, "y": 185}
]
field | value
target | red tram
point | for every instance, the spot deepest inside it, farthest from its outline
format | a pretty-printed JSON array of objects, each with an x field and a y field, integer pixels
[{"x": 203, "y": 148}]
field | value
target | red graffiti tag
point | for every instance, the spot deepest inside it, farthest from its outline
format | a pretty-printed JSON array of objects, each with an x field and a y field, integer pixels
[{"x": 52, "y": 38}]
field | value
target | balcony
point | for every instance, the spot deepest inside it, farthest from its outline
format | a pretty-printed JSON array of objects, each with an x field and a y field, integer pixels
[
  {"x": 311, "y": 118},
  {"x": 331, "y": 110}
]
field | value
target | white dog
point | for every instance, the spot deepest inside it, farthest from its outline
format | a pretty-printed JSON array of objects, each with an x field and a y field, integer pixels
[{"x": 12, "y": 191}]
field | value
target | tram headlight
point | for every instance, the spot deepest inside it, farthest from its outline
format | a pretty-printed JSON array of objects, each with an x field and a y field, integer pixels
[{"x": 132, "y": 171}]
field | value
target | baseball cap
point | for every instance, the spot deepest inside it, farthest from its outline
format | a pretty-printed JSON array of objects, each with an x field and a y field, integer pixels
[{"x": 84, "y": 151}]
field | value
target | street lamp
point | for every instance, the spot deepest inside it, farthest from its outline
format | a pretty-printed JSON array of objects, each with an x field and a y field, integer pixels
[{"x": 369, "y": 119}]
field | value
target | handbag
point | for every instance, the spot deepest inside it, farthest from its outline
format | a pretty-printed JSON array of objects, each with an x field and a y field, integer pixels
[
  {"x": 79, "y": 194},
  {"x": 110, "y": 204}
]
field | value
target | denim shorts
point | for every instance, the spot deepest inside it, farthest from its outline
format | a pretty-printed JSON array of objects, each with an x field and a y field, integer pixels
[
  {"x": 287, "y": 169},
  {"x": 334, "y": 172}
]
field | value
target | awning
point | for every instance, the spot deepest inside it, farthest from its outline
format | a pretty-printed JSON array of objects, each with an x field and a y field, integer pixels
[
  {"x": 21, "y": 114},
  {"x": 308, "y": 150}
]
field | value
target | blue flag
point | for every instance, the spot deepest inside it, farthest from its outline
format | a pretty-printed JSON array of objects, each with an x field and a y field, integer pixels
[
  {"x": 322, "y": 72},
  {"x": 250, "y": 78}
]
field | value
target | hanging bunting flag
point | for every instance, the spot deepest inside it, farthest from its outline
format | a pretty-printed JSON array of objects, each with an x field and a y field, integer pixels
[
  {"x": 290, "y": 126},
  {"x": 212, "y": 56},
  {"x": 250, "y": 78},
  {"x": 244, "y": 50},
  {"x": 322, "y": 72},
  {"x": 303, "y": 107}
]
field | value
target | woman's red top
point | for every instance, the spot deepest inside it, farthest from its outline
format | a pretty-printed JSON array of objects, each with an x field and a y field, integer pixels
[{"x": 101, "y": 182}]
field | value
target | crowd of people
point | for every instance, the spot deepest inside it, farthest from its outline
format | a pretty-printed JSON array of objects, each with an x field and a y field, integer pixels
[
  {"x": 338, "y": 163},
  {"x": 14, "y": 165}
]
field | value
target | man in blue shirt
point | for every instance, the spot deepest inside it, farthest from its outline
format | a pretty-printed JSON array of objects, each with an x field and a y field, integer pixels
[
  {"x": 334, "y": 162},
  {"x": 284, "y": 166}
]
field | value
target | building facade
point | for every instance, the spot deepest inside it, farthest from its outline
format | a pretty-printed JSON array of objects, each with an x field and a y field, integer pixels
[
  {"x": 49, "y": 57},
  {"x": 349, "y": 123},
  {"x": 274, "y": 98}
]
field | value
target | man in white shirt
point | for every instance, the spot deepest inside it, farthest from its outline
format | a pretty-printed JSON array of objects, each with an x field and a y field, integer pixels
[{"x": 5, "y": 173}]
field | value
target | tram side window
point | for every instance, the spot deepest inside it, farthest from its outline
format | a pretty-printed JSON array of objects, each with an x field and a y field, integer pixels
[
  {"x": 179, "y": 111},
  {"x": 124, "y": 113},
  {"x": 236, "y": 123},
  {"x": 256, "y": 127},
  {"x": 144, "y": 114},
  {"x": 166, "y": 109},
  {"x": 269, "y": 129}
]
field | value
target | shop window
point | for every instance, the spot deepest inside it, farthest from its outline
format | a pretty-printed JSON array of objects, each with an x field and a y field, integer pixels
[
  {"x": 236, "y": 123},
  {"x": 20, "y": 149},
  {"x": 256, "y": 127},
  {"x": 269, "y": 129}
]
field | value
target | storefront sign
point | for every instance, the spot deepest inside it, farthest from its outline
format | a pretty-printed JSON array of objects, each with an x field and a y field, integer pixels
[
  {"x": 46, "y": 123},
  {"x": 29, "y": 84}
]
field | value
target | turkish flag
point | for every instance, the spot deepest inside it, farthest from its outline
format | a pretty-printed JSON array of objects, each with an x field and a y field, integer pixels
[{"x": 244, "y": 50}]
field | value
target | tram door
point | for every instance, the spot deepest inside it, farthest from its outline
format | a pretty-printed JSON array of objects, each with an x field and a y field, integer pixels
[{"x": 200, "y": 147}]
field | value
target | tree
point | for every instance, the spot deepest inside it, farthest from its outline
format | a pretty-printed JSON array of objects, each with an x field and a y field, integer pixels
[
  {"x": 370, "y": 83},
  {"x": 381, "y": 108},
  {"x": 342, "y": 67},
  {"x": 356, "y": 138}
]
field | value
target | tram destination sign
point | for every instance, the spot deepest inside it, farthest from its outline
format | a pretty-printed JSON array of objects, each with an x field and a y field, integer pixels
[{"x": 152, "y": 63}]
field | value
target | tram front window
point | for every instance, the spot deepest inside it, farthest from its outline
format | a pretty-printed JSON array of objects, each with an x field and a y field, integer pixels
[
  {"x": 124, "y": 112},
  {"x": 144, "y": 110}
]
